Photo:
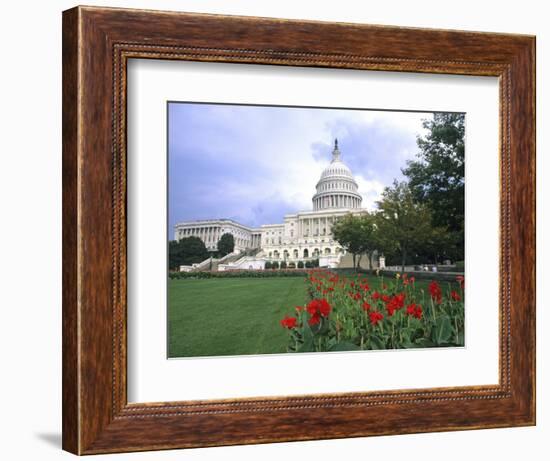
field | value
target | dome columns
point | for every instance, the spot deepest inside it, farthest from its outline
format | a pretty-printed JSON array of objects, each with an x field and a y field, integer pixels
[{"x": 336, "y": 188}]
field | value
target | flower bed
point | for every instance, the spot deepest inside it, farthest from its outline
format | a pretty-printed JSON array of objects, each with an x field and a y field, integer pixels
[{"x": 346, "y": 314}]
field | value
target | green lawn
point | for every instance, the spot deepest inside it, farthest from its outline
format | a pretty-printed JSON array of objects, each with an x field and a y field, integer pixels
[{"x": 232, "y": 316}]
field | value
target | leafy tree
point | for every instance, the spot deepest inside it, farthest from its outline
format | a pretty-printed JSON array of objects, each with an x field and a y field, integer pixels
[
  {"x": 436, "y": 177},
  {"x": 403, "y": 224},
  {"x": 187, "y": 251},
  {"x": 226, "y": 244},
  {"x": 357, "y": 234},
  {"x": 436, "y": 245}
]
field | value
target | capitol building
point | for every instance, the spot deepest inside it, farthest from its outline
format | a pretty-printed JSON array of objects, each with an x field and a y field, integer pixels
[{"x": 303, "y": 236}]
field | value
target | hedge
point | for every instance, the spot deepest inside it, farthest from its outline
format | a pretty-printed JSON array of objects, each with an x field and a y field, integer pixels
[
  {"x": 421, "y": 275},
  {"x": 237, "y": 274}
]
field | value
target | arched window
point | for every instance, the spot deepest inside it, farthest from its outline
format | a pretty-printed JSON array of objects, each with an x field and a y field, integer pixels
[{"x": 306, "y": 253}]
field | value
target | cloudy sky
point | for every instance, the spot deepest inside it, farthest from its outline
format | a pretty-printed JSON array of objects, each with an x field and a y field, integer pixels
[{"x": 255, "y": 164}]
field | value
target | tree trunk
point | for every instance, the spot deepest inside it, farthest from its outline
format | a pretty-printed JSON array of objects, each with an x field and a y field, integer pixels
[
  {"x": 354, "y": 267},
  {"x": 403, "y": 259}
]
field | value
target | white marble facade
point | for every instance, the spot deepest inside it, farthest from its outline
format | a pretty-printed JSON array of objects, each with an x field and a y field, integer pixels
[{"x": 302, "y": 236}]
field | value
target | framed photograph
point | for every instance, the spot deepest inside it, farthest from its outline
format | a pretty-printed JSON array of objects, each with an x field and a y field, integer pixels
[{"x": 281, "y": 230}]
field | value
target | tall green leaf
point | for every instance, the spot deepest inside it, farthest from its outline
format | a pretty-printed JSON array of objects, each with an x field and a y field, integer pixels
[{"x": 442, "y": 331}]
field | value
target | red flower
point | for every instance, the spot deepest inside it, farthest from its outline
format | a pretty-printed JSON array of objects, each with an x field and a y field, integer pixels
[
  {"x": 312, "y": 307},
  {"x": 375, "y": 317},
  {"x": 376, "y": 295},
  {"x": 410, "y": 309},
  {"x": 357, "y": 296},
  {"x": 366, "y": 306},
  {"x": 385, "y": 298},
  {"x": 460, "y": 280},
  {"x": 435, "y": 291},
  {"x": 289, "y": 322},
  {"x": 411, "y": 279},
  {"x": 314, "y": 319},
  {"x": 414, "y": 310},
  {"x": 299, "y": 308},
  {"x": 399, "y": 300},
  {"x": 418, "y": 312},
  {"x": 324, "y": 307},
  {"x": 394, "y": 303},
  {"x": 316, "y": 308},
  {"x": 455, "y": 296},
  {"x": 365, "y": 286}
]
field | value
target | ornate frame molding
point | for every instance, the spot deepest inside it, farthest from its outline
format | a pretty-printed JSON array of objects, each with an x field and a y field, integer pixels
[{"x": 97, "y": 44}]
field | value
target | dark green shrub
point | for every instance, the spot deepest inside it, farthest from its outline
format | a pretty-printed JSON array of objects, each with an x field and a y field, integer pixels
[
  {"x": 300, "y": 264},
  {"x": 237, "y": 274},
  {"x": 283, "y": 265},
  {"x": 267, "y": 265}
]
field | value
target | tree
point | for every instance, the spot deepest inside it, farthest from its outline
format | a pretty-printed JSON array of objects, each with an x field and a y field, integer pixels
[
  {"x": 187, "y": 251},
  {"x": 356, "y": 233},
  {"x": 403, "y": 224},
  {"x": 436, "y": 177},
  {"x": 436, "y": 244},
  {"x": 226, "y": 244}
]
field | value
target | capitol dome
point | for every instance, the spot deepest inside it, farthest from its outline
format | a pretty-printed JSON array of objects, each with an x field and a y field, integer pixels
[{"x": 337, "y": 187}]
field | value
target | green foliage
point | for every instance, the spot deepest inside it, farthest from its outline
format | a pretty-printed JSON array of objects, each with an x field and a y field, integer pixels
[
  {"x": 300, "y": 264},
  {"x": 309, "y": 265},
  {"x": 283, "y": 265},
  {"x": 357, "y": 234},
  {"x": 404, "y": 225},
  {"x": 356, "y": 313},
  {"x": 267, "y": 265},
  {"x": 443, "y": 330},
  {"x": 226, "y": 244},
  {"x": 292, "y": 265},
  {"x": 187, "y": 251},
  {"x": 275, "y": 265},
  {"x": 237, "y": 274},
  {"x": 436, "y": 177},
  {"x": 421, "y": 275}
]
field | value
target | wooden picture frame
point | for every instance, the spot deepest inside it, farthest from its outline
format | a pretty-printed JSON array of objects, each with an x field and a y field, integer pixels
[{"x": 97, "y": 43}]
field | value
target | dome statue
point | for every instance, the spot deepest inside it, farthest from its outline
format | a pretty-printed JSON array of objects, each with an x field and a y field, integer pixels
[{"x": 337, "y": 187}]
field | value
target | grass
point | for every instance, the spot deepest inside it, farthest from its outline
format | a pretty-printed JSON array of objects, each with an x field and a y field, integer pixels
[
  {"x": 234, "y": 316},
  {"x": 230, "y": 316}
]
